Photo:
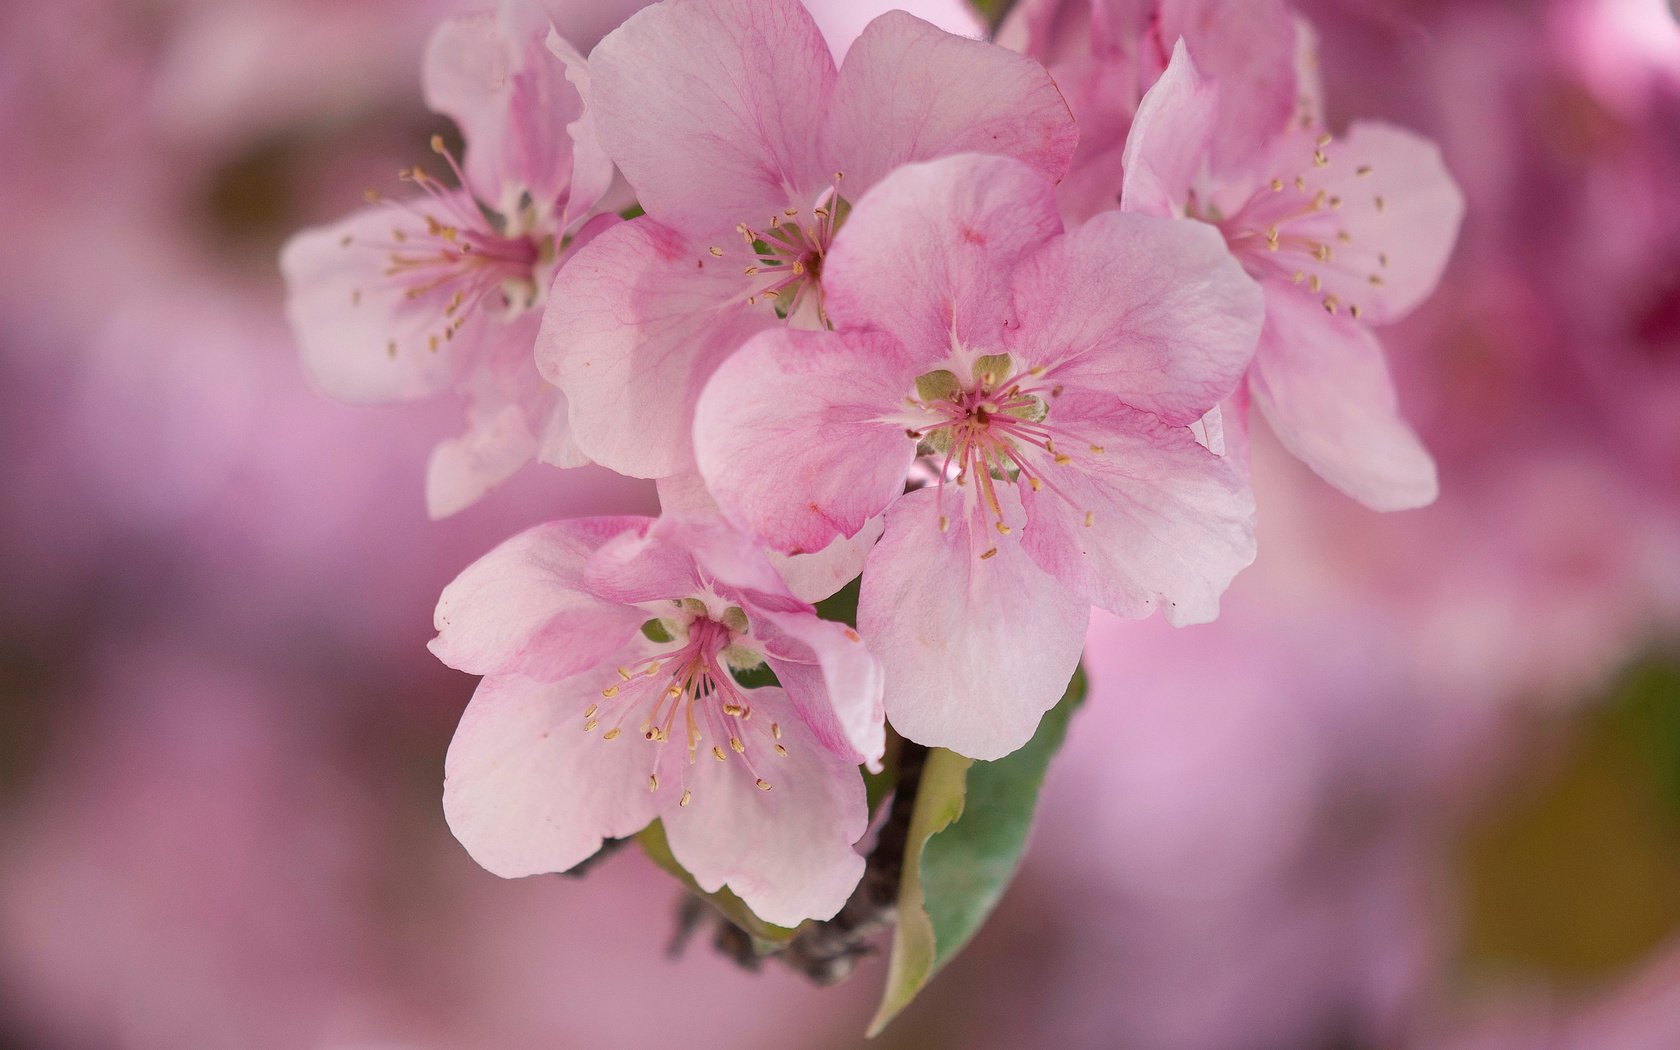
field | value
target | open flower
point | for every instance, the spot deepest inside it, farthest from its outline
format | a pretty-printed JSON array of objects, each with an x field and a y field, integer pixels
[
  {"x": 1340, "y": 234},
  {"x": 443, "y": 290},
  {"x": 746, "y": 146},
  {"x": 1045, "y": 388},
  {"x": 1105, "y": 54},
  {"x": 610, "y": 648}
]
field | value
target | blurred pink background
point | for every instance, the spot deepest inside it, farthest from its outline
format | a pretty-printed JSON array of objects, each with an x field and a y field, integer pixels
[{"x": 1419, "y": 787}]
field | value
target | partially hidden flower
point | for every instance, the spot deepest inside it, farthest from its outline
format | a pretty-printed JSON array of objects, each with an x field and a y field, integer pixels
[
  {"x": 746, "y": 146},
  {"x": 611, "y": 650},
  {"x": 1105, "y": 54},
  {"x": 443, "y": 290},
  {"x": 1341, "y": 234},
  {"x": 1044, "y": 389}
]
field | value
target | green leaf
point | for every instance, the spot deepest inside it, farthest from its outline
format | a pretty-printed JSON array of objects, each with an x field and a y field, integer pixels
[
  {"x": 967, "y": 834},
  {"x": 765, "y": 936}
]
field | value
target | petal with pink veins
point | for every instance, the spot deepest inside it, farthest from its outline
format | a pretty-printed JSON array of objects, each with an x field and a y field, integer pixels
[
  {"x": 1325, "y": 389},
  {"x": 526, "y": 608},
  {"x": 710, "y": 108},
  {"x": 785, "y": 850},
  {"x": 926, "y": 255},
  {"x": 1152, "y": 312},
  {"x": 975, "y": 650},
  {"x": 794, "y": 435},
  {"x": 636, "y": 323},
  {"x": 909, "y": 91},
  {"x": 1142, "y": 517},
  {"x": 526, "y": 791}
]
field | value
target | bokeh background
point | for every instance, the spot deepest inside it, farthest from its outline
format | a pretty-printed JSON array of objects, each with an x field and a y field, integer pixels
[{"x": 1419, "y": 787}]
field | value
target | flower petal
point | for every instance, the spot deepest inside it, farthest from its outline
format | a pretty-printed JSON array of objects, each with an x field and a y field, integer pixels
[
  {"x": 1171, "y": 139},
  {"x": 794, "y": 439},
  {"x": 909, "y": 91},
  {"x": 461, "y": 470},
  {"x": 1400, "y": 211},
  {"x": 1248, "y": 47},
  {"x": 360, "y": 335},
  {"x": 1324, "y": 388},
  {"x": 787, "y": 851},
  {"x": 818, "y": 575},
  {"x": 526, "y": 791},
  {"x": 1152, "y": 520},
  {"x": 975, "y": 651},
  {"x": 1154, "y": 312},
  {"x": 711, "y": 108},
  {"x": 830, "y": 677},
  {"x": 926, "y": 255},
  {"x": 526, "y": 607},
  {"x": 636, "y": 323}
]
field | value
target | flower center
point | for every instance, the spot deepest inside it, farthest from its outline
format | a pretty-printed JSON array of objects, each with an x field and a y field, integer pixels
[
  {"x": 688, "y": 690},
  {"x": 991, "y": 430},
  {"x": 461, "y": 256},
  {"x": 785, "y": 256}
]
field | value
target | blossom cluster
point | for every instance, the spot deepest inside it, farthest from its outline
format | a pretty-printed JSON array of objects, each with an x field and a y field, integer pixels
[{"x": 982, "y": 325}]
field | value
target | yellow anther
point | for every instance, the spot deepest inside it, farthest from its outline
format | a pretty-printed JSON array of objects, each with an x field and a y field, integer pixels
[
  {"x": 653, "y": 781},
  {"x": 589, "y": 726},
  {"x": 989, "y": 554},
  {"x": 687, "y": 797},
  {"x": 736, "y": 746},
  {"x": 1003, "y": 530},
  {"x": 1363, "y": 171},
  {"x": 610, "y": 691},
  {"x": 780, "y": 750},
  {"x": 1277, "y": 185},
  {"x": 611, "y": 734},
  {"x": 716, "y": 252},
  {"x": 1090, "y": 518},
  {"x": 717, "y": 753},
  {"x": 589, "y": 712},
  {"x": 776, "y": 730},
  {"x": 763, "y": 785}
]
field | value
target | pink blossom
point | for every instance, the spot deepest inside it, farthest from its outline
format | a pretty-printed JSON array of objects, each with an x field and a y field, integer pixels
[
  {"x": 1340, "y": 234},
  {"x": 595, "y": 629},
  {"x": 443, "y": 291},
  {"x": 746, "y": 146},
  {"x": 1105, "y": 54},
  {"x": 1048, "y": 387}
]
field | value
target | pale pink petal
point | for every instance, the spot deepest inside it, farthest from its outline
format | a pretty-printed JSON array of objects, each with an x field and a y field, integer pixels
[
  {"x": 711, "y": 108},
  {"x": 843, "y": 21},
  {"x": 975, "y": 651},
  {"x": 1152, "y": 521},
  {"x": 1153, "y": 312},
  {"x": 926, "y": 255},
  {"x": 649, "y": 564},
  {"x": 786, "y": 851},
  {"x": 497, "y": 443},
  {"x": 794, "y": 435},
  {"x": 526, "y": 607},
  {"x": 526, "y": 791},
  {"x": 636, "y": 322},
  {"x": 1400, "y": 211},
  {"x": 361, "y": 337},
  {"x": 810, "y": 577},
  {"x": 909, "y": 91},
  {"x": 592, "y": 169},
  {"x": 813, "y": 577},
  {"x": 830, "y": 677},
  {"x": 1247, "y": 47},
  {"x": 555, "y": 444},
  {"x": 1171, "y": 139},
  {"x": 1324, "y": 388},
  {"x": 493, "y": 74}
]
